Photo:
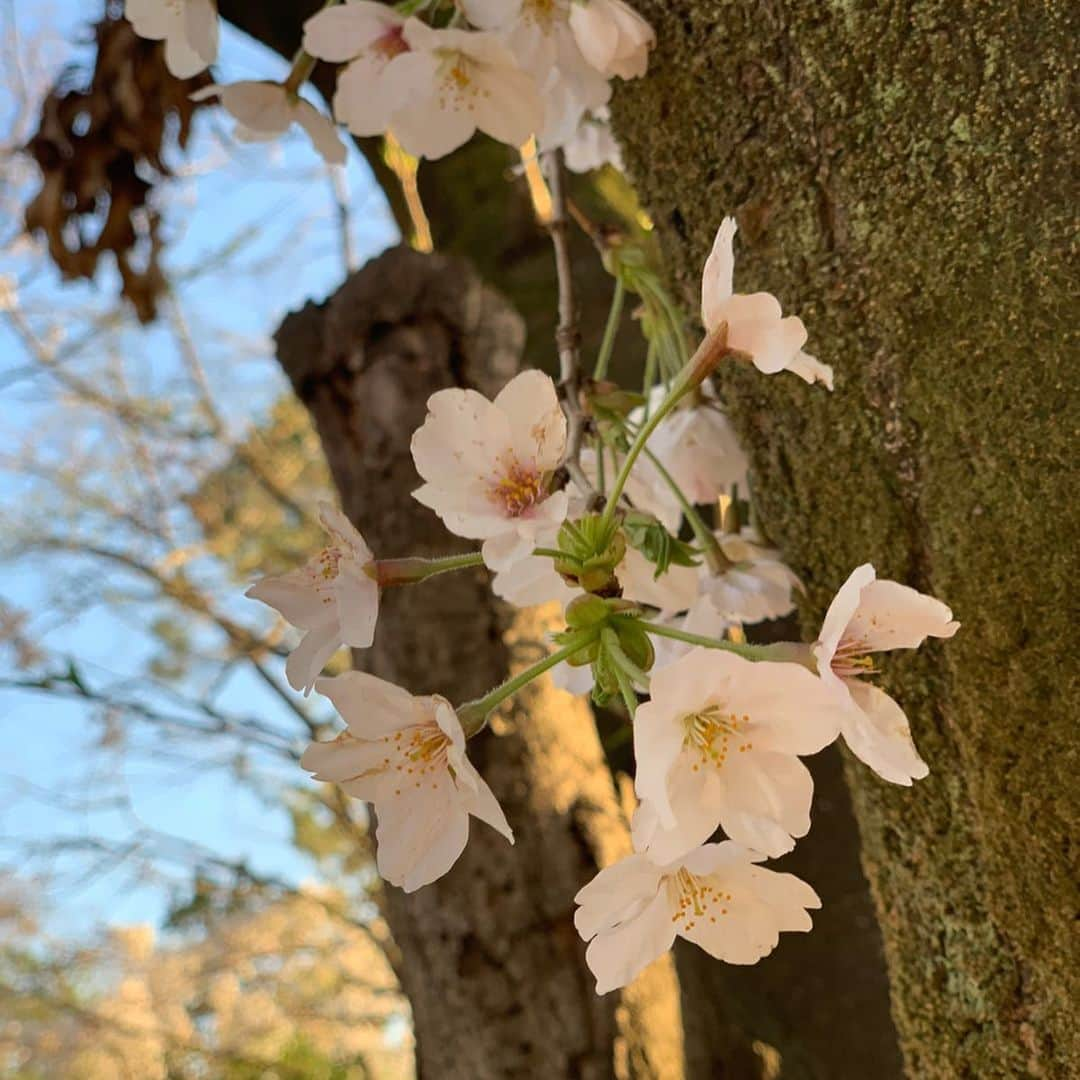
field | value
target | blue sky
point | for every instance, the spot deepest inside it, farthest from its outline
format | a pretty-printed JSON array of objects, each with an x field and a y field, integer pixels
[{"x": 282, "y": 195}]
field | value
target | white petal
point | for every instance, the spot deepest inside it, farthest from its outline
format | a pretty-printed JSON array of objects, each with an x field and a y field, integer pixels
[
  {"x": 261, "y": 106},
  {"x": 321, "y": 130},
  {"x": 696, "y": 800},
  {"x": 878, "y": 733},
  {"x": 361, "y": 99},
  {"x": 841, "y": 611},
  {"x": 537, "y": 423},
  {"x": 617, "y": 889},
  {"x": 421, "y": 837},
  {"x": 810, "y": 369},
  {"x": 616, "y": 956},
  {"x": 894, "y": 616},
  {"x": 658, "y": 740},
  {"x": 766, "y": 800},
  {"x": 717, "y": 278},
  {"x": 201, "y": 29},
  {"x": 306, "y": 661},
  {"x": 373, "y": 707},
  {"x": 674, "y": 591},
  {"x": 342, "y": 33}
]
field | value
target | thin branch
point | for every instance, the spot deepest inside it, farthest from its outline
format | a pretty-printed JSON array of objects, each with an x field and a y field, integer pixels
[{"x": 567, "y": 335}]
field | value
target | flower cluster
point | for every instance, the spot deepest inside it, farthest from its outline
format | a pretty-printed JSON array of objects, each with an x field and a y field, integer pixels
[
  {"x": 642, "y": 535},
  {"x": 432, "y": 72}
]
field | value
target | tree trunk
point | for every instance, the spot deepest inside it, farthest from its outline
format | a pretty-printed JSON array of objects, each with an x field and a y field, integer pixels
[
  {"x": 491, "y": 962},
  {"x": 900, "y": 175}
]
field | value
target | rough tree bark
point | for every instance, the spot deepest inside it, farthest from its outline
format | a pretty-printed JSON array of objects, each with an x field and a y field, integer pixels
[
  {"x": 490, "y": 960},
  {"x": 901, "y": 177}
]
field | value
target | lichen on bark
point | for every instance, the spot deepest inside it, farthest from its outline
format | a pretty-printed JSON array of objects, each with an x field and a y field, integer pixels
[{"x": 900, "y": 175}]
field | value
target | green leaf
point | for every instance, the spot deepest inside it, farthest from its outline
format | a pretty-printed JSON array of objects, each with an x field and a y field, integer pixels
[{"x": 645, "y": 534}]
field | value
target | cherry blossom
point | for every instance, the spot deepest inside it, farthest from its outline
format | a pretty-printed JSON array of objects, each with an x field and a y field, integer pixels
[
  {"x": 593, "y": 144},
  {"x": 868, "y": 616},
  {"x": 756, "y": 584},
  {"x": 533, "y": 579},
  {"x": 455, "y": 82},
  {"x": 755, "y": 323},
  {"x": 698, "y": 447},
  {"x": 332, "y": 597},
  {"x": 645, "y": 489},
  {"x": 369, "y": 38},
  {"x": 717, "y": 744},
  {"x": 488, "y": 465},
  {"x": 406, "y": 755},
  {"x": 612, "y": 36},
  {"x": 266, "y": 110},
  {"x": 714, "y": 896},
  {"x": 189, "y": 29}
]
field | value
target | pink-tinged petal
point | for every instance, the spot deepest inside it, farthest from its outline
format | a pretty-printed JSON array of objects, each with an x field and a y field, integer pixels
[
  {"x": 509, "y": 107},
  {"x": 490, "y": 14},
  {"x": 614, "y": 893},
  {"x": 482, "y": 804},
  {"x": 841, "y": 611},
  {"x": 356, "y": 764},
  {"x": 537, "y": 423},
  {"x": 895, "y": 616},
  {"x": 658, "y": 740},
  {"x": 674, "y": 591},
  {"x": 766, "y": 801},
  {"x": 878, "y": 733},
  {"x": 811, "y": 370},
  {"x": 361, "y": 100},
  {"x": 261, "y": 106},
  {"x": 306, "y": 661},
  {"x": 616, "y": 956},
  {"x": 715, "y": 858},
  {"x": 773, "y": 346},
  {"x": 532, "y": 581},
  {"x": 696, "y": 800},
  {"x": 344, "y": 32},
  {"x": 372, "y": 707},
  {"x": 503, "y": 551},
  {"x": 295, "y": 597},
  {"x": 344, "y": 532},
  {"x": 152, "y": 19},
  {"x": 420, "y": 837},
  {"x": 357, "y": 606},
  {"x": 717, "y": 279},
  {"x": 789, "y": 898},
  {"x": 462, "y": 436},
  {"x": 201, "y": 29},
  {"x": 321, "y": 130},
  {"x": 181, "y": 59}
]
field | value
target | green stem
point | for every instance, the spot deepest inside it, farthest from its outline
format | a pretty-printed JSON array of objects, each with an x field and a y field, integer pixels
[
  {"x": 622, "y": 661},
  {"x": 603, "y": 357},
  {"x": 473, "y": 714},
  {"x": 702, "y": 364},
  {"x": 409, "y": 571},
  {"x": 782, "y": 652},
  {"x": 550, "y": 553}
]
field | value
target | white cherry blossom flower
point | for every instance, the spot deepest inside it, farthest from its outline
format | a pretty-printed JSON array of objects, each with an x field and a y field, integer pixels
[
  {"x": 714, "y": 896},
  {"x": 406, "y": 755},
  {"x": 456, "y": 82},
  {"x": 332, "y": 597},
  {"x": 717, "y": 744},
  {"x": 266, "y": 110},
  {"x": 612, "y": 36},
  {"x": 593, "y": 144},
  {"x": 369, "y": 38},
  {"x": 702, "y": 619},
  {"x": 189, "y": 29},
  {"x": 488, "y": 465},
  {"x": 755, "y": 322},
  {"x": 533, "y": 579},
  {"x": 699, "y": 448},
  {"x": 868, "y": 616},
  {"x": 756, "y": 586}
]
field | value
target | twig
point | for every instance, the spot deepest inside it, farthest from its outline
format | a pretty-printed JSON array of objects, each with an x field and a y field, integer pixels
[{"x": 567, "y": 336}]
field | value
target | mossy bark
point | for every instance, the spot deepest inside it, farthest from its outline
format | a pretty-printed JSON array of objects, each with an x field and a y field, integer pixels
[{"x": 900, "y": 173}]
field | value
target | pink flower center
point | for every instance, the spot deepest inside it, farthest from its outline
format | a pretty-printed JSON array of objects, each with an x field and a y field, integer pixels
[
  {"x": 695, "y": 899},
  {"x": 852, "y": 660},
  {"x": 710, "y": 732},
  {"x": 518, "y": 489},
  {"x": 391, "y": 44}
]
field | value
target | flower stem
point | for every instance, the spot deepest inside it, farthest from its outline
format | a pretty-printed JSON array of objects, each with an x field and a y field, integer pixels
[
  {"x": 473, "y": 714},
  {"x": 410, "y": 571},
  {"x": 702, "y": 364},
  {"x": 622, "y": 661},
  {"x": 782, "y": 651},
  {"x": 607, "y": 344}
]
